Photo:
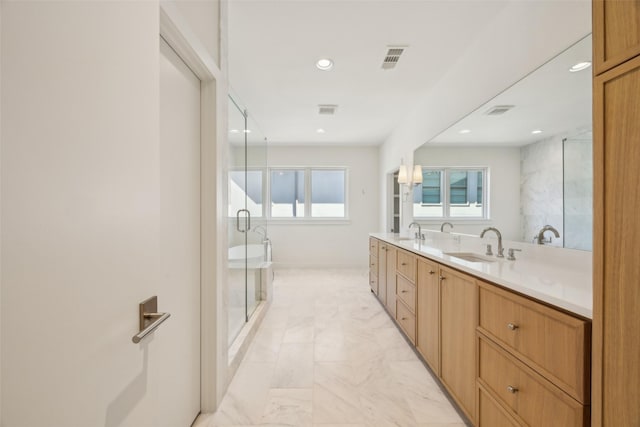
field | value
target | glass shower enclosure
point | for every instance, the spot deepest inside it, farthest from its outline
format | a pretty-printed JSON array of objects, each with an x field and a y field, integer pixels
[{"x": 248, "y": 243}]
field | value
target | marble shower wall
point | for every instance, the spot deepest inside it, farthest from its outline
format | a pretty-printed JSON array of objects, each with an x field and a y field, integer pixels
[
  {"x": 578, "y": 194},
  {"x": 541, "y": 188}
]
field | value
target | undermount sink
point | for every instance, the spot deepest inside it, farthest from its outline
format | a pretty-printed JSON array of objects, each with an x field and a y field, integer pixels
[{"x": 470, "y": 256}]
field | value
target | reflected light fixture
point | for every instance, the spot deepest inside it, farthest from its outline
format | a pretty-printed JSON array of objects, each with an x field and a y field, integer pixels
[
  {"x": 417, "y": 175},
  {"x": 234, "y": 131},
  {"x": 247, "y": 131},
  {"x": 324, "y": 64},
  {"x": 535, "y": 132},
  {"x": 580, "y": 66},
  {"x": 320, "y": 130},
  {"x": 464, "y": 131}
]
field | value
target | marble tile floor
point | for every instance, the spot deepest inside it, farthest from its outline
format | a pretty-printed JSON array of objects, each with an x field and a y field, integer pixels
[{"x": 327, "y": 354}]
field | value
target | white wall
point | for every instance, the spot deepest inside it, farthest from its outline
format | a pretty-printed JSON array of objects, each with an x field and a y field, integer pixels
[
  {"x": 201, "y": 14},
  {"x": 504, "y": 184},
  {"x": 330, "y": 245},
  {"x": 516, "y": 42}
]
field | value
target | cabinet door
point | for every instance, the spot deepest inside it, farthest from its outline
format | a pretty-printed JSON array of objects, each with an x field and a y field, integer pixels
[
  {"x": 428, "y": 312},
  {"x": 616, "y": 35},
  {"x": 391, "y": 280},
  {"x": 616, "y": 345},
  {"x": 459, "y": 318},
  {"x": 382, "y": 272}
]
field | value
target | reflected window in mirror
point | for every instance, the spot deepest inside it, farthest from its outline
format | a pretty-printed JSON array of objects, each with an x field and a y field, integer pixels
[{"x": 451, "y": 193}]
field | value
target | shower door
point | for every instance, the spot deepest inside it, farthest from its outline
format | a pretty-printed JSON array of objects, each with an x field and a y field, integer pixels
[{"x": 247, "y": 224}]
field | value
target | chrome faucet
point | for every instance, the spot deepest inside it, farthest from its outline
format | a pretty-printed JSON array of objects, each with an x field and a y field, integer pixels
[
  {"x": 258, "y": 229},
  {"x": 443, "y": 224},
  {"x": 540, "y": 237},
  {"x": 266, "y": 241},
  {"x": 419, "y": 233},
  {"x": 500, "y": 253}
]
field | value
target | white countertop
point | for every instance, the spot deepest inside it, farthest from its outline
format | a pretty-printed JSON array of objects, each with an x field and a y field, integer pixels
[{"x": 556, "y": 276}]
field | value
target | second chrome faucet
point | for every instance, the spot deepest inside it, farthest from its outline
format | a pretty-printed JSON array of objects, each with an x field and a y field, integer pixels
[
  {"x": 500, "y": 253},
  {"x": 419, "y": 234}
]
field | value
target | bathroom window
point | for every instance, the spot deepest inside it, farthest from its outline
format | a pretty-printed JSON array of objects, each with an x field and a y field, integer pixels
[
  {"x": 287, "y": 189},
  {"x": 328, "y": 193},
  {"x": 308, "y": 193},
  {"x": 451, "y": 193},
  {"x": 246, "y": 187}
]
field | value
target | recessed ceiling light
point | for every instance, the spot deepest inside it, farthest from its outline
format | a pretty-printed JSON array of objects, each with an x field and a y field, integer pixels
[
  {"x": 320, "y": 130},
  {"x": 463, "y": 131},
  {"x": 535, "y": 132},
  {"x": 580, "y": 66},
  {"x": 234, "y": 131},
  {"x": 324, "y": 64},
  {"x": 247, "y": 131}
]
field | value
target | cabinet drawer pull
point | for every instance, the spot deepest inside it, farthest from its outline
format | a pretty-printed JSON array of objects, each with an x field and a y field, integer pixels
[
  {"x": 403, "y": 291},
  {"x": 442, "y": 277},
  {"x": 403, "y": 318},
  {"x": 403, "y": 263},
  {"x": 432, "y": 272},
  {"x": 512, "y": 326},
  {"x": 512, "y": 389}
]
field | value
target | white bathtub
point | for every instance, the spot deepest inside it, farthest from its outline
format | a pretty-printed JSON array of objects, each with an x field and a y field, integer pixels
[{"x": 255, "y": 256}]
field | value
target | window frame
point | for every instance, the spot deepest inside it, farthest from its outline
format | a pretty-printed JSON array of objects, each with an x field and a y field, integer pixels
[
  {"x": 307, "y": 218},
  {"x": 445, "y": 196}
]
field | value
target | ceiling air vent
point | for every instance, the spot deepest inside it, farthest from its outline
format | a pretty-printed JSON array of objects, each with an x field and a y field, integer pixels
[
  {"x": 392, "y": 57},
  {"x": 498, "y": 110},
  {"x": 327, "y": 109}
]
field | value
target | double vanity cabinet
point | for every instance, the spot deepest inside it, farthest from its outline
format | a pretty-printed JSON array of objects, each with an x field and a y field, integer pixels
[{"x": 505, "y": 358}]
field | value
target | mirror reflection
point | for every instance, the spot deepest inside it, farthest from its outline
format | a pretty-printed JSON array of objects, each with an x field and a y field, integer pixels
[{"x": 520, "y": 162}]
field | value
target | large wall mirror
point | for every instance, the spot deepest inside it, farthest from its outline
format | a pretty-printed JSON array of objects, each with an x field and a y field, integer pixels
[{"x": 521, "y": 161}]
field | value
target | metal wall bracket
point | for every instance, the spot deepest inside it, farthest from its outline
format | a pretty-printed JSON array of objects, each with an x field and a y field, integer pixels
[{"x": 149, "y": 318}]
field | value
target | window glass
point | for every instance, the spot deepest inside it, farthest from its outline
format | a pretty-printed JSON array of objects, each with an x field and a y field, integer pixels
[
  {"x": 465, "y": 189},
  {"x": 287, "y": 193},
  {"x": 245, "y": 189},
  {"x": 463, "y": 197},
  {"x": 427, "y": 197},
  {"x": 327, "y": 193}
]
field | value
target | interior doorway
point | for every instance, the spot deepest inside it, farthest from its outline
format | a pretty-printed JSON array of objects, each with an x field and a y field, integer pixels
[{"x": 393, "y": 202}]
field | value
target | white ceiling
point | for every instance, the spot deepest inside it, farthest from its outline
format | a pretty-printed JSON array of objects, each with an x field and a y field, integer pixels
[
  {"x": 273, "y": 47},
  {"x": 550, "y": 99}
]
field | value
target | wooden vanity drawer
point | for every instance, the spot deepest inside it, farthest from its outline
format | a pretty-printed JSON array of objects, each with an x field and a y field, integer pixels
[
  {"x": 373, "y": 246},
  {"x": 491, "y": 413},
  {"x": 406, "y": 292},
  {"x": 373, "y": 282},
  {"x": 553, "y": 343},
  {"x": 373, "y": 264},
  {"x": 407, "y": 320},
  {"x": 406, "y": 265},
  {"x": 529, "y": 396}
]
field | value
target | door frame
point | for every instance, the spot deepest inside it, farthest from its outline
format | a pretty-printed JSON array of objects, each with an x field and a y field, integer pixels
[{"x": 174, "y": 29}]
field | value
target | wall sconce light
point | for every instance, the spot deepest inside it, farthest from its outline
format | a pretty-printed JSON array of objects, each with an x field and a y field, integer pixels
[
  {"x": 409, "y": 181},
  {"x": 416, "y": 176}
]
